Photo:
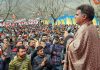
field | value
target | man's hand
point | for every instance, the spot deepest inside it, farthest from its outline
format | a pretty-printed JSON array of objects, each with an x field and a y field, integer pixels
[
  {"x": 44, "y": 62},
  {"x": 63, "y": 61}
]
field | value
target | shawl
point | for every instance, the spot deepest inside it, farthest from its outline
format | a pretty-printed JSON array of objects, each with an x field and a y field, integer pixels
[{"x": 83, "y": 53}]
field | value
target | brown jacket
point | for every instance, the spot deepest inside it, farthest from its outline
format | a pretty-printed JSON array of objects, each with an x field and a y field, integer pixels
[{"x": 84, "y": 51}]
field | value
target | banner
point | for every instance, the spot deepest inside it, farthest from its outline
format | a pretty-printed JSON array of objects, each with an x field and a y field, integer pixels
[{"x": 69, "y": 20}]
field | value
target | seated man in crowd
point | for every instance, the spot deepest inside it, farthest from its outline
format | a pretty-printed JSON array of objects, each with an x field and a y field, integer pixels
[
  {"x": 21, "y": 61},
  {"x": 41, "y": 61}
]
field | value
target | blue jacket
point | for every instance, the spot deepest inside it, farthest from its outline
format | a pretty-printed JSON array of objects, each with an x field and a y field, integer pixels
[{"x": 38, "y": 60}]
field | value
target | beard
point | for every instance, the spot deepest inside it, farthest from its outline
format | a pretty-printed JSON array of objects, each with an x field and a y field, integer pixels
[
  {"x": 23, "y": 56},
  {"x": 32, "y": 46}
]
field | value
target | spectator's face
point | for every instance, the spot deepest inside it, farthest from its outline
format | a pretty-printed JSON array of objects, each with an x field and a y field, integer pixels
[
  {"x": 44, "y": 38},
  {"x": 32, "y": 43},
  {"x": 22, "y": 53},
  {"x": 19, "y": 44},
  {"x": 42, "y": 44},
  {"x": 40, "y": 52},
  {"x": 5, "y": 41},
  {"x": 79, "y": 17}
]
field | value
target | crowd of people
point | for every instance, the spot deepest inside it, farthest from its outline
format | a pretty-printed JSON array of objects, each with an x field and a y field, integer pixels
[
  {"x": 47, "y": 47},
  {"x": 44, "y": 46}
]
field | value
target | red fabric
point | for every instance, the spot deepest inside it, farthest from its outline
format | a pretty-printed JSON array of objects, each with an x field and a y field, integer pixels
[
  {"x": 0, "y": 51},
  {"x": 14, "y": 50}
]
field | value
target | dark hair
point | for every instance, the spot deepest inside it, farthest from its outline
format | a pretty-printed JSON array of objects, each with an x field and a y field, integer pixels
[
  {"x": 44, "y": 34},
  {"x": 30, "y": 40},
  {"x": 88, "y": 10},
  {"x": 39, "y": 48},
  {"x": 19, "y": 41},
  {"x": 20, "y": 47}
]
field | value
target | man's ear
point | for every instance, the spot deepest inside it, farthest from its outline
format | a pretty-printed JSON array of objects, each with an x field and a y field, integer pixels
[{"x": 84, "y": 16}]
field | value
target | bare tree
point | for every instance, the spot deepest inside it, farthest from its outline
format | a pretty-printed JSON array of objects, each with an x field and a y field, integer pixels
[
  {"x": 7, "y": 6},
  {"x": 51, "y": 8}
]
